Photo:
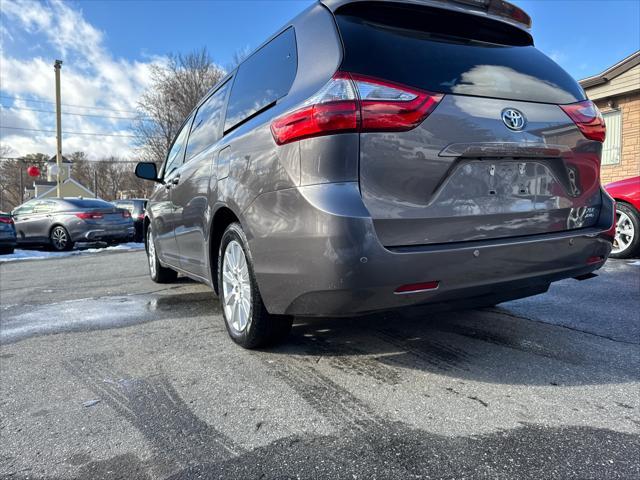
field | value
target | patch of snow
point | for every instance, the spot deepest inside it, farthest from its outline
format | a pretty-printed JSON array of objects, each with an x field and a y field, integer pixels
[
  {"x": 636, "y": 263},
  {"x": 44, "y": 255}
]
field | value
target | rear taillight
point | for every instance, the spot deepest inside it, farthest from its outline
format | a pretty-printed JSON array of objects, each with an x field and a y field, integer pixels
[
  {"x": 126, "y": 214},
  {"x": 355, "y": 103},
  {"x": 588, "y": 119},
  {"x": 89, "y": 215},
  {"x": 6, "y": 220},
  {"x": 140, "y": 216}
]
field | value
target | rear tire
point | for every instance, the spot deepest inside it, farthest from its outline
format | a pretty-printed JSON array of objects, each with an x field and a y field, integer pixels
[
  {"x": 627, "y": 240},
  {"x": 245, "y": 316},
  {"x": 157, "y": 272},
  {"x": 59, "y": 239}
]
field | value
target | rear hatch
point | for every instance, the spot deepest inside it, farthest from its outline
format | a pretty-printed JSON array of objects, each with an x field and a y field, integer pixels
[{"x": 464, "y": 173}]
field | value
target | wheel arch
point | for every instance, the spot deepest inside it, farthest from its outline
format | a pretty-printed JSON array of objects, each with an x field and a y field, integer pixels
[
  {"x": 145, "y": 228},
  {"x": 222, "y": 218}
]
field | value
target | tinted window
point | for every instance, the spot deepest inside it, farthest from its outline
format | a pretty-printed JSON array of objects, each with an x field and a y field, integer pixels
[
  {"x": 206, "y": 124},
  {"x": 87, "y": 203},
  {"x": 176, "y": 154},
  {"x": 263, "y": 78},
  {"x": 450, "y": 53}
]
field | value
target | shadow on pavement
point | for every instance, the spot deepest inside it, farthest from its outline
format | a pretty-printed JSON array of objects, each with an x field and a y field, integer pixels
[{"x": 487, "y": 345}]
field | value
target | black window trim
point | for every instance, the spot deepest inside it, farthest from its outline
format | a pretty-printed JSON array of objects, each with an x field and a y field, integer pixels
[
  {"x": 189, "y": 118},
  {"x": 194, "y": 113},
  {"x": 235, "y": 75}
]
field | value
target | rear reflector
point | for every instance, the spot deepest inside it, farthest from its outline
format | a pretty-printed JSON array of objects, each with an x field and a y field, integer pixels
[
  {"x": 355, "y": 103},
  {"x": 417, "y": 287},
  {"x": 126, "y": 214},
  {"x": 594, "y": 260},
  {"x": 89, "y": 215},
  {"x": 611, "y": 233},
  {"x": 588, "y": 119}
]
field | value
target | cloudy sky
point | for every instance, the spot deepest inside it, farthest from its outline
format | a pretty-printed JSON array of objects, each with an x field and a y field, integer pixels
[{"x": 108, "y": 45}]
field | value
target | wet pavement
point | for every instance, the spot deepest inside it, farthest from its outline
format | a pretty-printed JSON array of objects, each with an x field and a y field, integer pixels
[{"x": 105, "y": 374}]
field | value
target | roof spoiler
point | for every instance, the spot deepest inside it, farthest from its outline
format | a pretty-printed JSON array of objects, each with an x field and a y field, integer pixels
[{"x": 497, "y": 9}]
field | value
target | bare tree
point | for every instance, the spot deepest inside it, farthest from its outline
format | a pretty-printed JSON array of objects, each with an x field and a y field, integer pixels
[
  {"x": 177, "y": 87},
  {"x": 239, "y": 55},
  {"x": 13, "y": 176}
]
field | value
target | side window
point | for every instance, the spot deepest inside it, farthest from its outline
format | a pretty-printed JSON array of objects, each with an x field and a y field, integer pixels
[
  {"x": 263, "y": 78},
  {"x": 176, "y": 154},
  {"x": 24, "y": 209},
  {"x": 206, "y": 124},
  {"x": 44, "y": 206}
]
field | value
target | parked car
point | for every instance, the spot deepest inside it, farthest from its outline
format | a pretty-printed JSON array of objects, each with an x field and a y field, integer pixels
[
  {"x": 379, "y": 155},
  {"x": 61, "y": 222},
  {"x": 136, "y": 207},
  {"x": 7, "y": 234},
  {"x": 626, "y": 193}
]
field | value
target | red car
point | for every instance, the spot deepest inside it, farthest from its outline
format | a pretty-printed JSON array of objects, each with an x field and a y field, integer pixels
[{"x": 627, "y": 196}]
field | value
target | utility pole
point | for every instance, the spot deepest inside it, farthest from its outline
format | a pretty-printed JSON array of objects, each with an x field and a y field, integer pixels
[
  {"x": 20, "y": 165},
  {"x": 56, "y": 66}
]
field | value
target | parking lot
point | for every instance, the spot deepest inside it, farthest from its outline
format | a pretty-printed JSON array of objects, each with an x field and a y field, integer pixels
[{"x": 108, "y": 375}]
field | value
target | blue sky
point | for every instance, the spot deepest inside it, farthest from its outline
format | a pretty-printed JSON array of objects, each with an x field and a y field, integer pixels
[
  {"x": 109, "y": 45},
  {"x": 565, "y": 29}
]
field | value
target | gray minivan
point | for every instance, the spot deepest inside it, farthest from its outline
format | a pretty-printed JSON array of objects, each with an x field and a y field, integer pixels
[{"x": 381, "y": 154}]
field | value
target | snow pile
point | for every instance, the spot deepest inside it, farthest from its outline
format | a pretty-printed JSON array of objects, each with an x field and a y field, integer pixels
[{"x": 44, "y": 255}]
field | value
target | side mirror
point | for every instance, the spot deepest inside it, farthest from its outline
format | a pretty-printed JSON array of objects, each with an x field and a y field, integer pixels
[{"x": 147, "y": 171}]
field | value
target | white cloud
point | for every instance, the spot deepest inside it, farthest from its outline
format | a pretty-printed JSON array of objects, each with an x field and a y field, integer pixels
[
  {"x": 557, "y": 56},
  {"x": 91, "y": 77}
]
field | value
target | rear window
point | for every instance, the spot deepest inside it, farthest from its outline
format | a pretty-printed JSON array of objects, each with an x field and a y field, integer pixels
[
  {"x": 126, "y": 205},
  {"x": 263, "y": 78},
  {"x": 134, "y": 206},
  {"x": 88, "y": 203},
  {"x": 450, "y": 52}
]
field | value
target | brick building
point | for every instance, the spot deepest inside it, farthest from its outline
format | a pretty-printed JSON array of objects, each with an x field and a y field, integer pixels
[{"x": 616, "y": 91}]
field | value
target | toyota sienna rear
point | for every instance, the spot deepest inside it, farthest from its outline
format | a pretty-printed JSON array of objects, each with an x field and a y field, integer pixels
[{"x": 374, "y": 155}]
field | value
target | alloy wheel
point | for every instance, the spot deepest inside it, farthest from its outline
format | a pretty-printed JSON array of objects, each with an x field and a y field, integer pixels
[
  {"x": 59, "y": 238},
  {"x": 236, "y": 287},
  {"x": 625, "y": 232}
]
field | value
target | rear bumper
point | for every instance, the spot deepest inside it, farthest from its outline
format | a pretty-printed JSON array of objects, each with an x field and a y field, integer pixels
[
  {"x": 322, "y": 258},
  {"x": 8, "y": 242},
  {"x": 93, "y": 235}
]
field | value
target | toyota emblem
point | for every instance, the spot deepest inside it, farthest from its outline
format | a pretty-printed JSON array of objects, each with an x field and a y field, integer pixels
[{"x": 513, "y": 119}]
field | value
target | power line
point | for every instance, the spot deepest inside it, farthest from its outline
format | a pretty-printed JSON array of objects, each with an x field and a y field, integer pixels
[
  {"x": 67, "y": 104},
  {"x": 99, "y": 134},
  {"x": 22, "y": 159},
  {"x": 72, "y": 113}
]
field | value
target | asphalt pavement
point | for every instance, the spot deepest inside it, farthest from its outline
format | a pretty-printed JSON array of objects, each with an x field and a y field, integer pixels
[{"x": 106, "y": 375}]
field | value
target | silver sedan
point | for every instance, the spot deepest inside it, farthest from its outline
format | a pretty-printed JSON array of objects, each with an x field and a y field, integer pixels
[{"x": 61, "y": 222}]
